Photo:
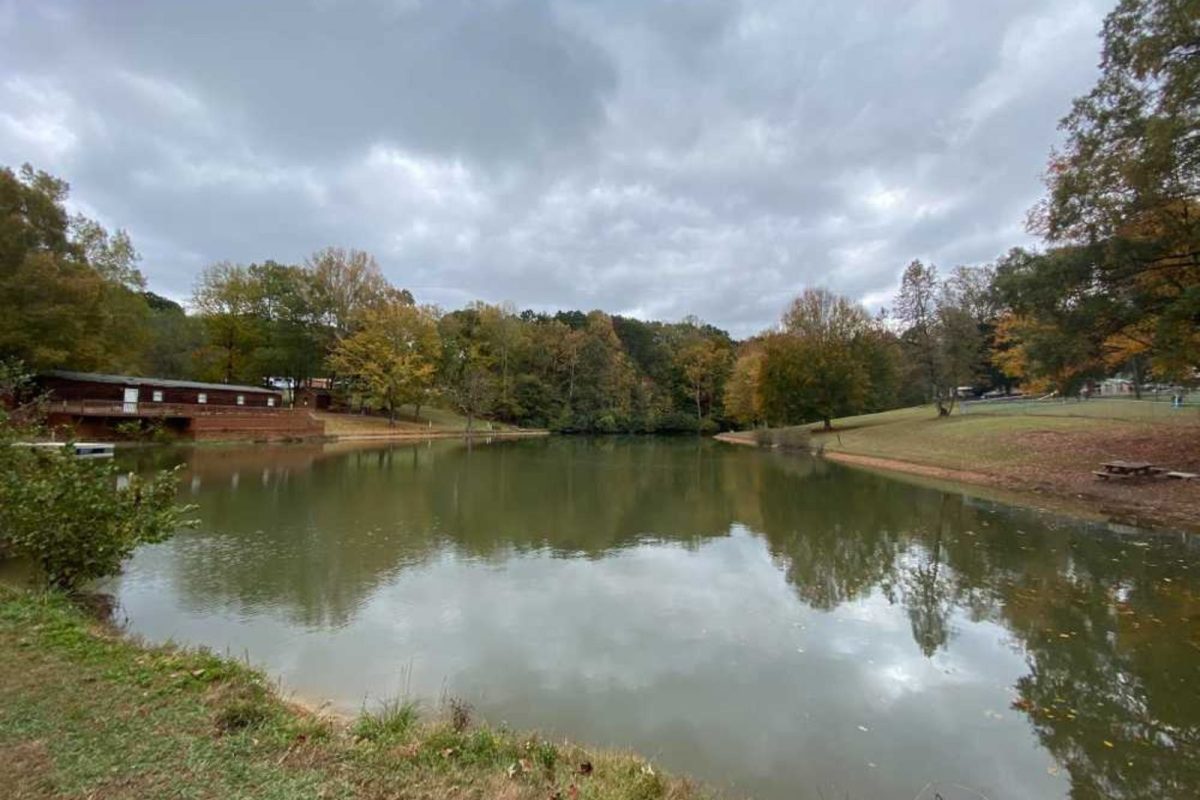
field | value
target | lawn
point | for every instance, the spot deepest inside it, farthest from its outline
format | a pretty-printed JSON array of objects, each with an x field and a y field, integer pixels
[
  {"x": 87, "y": 713},
  {"x": 1051, "y": 447}
]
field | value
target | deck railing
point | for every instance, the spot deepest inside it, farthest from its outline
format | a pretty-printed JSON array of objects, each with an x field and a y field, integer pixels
[{"x": 117, "y": 408}]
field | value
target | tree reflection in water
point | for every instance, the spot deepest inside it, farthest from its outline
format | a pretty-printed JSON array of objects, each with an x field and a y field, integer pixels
[{"x": 1108, "y": 623}]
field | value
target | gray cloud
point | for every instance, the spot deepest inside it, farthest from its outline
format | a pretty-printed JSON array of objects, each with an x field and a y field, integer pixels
[{"x": 655, "y": 158}]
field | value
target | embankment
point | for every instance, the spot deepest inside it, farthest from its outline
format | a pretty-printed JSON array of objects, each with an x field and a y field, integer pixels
[{"x": 84, "y": 712}]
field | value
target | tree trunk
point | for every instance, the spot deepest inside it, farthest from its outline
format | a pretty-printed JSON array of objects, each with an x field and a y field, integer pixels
[
  {"x": 417, "y": 411},
  {"x": 828, "y": 423}
]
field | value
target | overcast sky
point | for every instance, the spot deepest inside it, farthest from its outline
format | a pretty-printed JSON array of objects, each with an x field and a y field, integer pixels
[{"x": 649, "y": 157}]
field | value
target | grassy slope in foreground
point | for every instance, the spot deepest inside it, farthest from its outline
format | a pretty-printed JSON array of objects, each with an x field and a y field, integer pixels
[
  {"x": 85, "y": 712},
  {"x": 1047, "y": 447}
]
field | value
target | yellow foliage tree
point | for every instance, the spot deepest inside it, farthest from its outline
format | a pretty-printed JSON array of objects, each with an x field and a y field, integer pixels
[{"x": 393, "y": 355}]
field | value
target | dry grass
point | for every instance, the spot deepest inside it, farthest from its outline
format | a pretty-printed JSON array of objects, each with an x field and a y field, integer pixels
[{"x": 433, "y": 421}]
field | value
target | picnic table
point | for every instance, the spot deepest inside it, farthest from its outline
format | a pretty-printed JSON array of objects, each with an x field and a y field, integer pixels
[{"x": 1127, "y": 469}]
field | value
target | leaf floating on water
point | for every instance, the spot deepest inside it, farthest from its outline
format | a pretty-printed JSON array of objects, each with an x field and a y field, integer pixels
[{"x": 1107, "y": 743}]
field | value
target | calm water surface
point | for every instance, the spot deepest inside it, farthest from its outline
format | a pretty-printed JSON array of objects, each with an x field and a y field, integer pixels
[{"x": 778, "y": 626}]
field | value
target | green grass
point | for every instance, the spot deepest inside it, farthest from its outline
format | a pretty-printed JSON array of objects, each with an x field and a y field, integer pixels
[
  {"x": 1008, "y": 438},
  {"x": 1127, "y": 409},
  {"x": 84, "y": 712},
  {"x": 961, "y": 442}
]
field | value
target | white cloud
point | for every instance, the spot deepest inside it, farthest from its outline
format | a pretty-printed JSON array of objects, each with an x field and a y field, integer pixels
[{"x": 705, "y": 158}]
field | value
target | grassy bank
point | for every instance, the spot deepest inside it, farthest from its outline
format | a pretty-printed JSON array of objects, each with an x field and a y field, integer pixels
[
  {"x": 86, "y": 713},
  {"x": 433, "y": 422},
  {"x": 1049, "y": 448}
]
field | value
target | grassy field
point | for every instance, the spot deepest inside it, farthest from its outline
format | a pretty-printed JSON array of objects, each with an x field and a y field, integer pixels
[
  {"x": 1048, "y": 446},
  {"x": 987, "y": 436},
  {"x": 86, "y": 713}
]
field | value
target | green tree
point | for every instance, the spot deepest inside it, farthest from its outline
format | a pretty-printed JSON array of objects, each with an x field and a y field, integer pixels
[
  {"x": 292, "y": 342},
  {"x": 465, "y": 372},
  {"x": 505, "y": 336},
  {"x": 226, "y": 299},
  {"x": 174, "y": 339},
  {"x": 71, "y": 516},
  {"x": 63, "y": 310}
]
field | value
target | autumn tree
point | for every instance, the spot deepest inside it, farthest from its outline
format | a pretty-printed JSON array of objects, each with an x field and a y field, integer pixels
[
  {"x": 1124, "y": 188},
  {"x": 1052, "y": 331},
  {"x": 702, "y": 360},
  {"x": 393, "y": 355},
  {"x": 816, "y": 367},
  {"x": 344, "y": 283},
  {"x": 743, "y": 398}
]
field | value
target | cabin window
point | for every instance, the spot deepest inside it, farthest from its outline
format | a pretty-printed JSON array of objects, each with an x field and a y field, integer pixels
[
  {"x": 157, "y": 396},
  {"x": 241, "y": 400},
  {"x": 202, "y": 398},
  {"x": 271, "y": 401}
]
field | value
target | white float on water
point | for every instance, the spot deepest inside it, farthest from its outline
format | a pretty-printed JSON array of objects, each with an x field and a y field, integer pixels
[{"x": 82, "y": 449}]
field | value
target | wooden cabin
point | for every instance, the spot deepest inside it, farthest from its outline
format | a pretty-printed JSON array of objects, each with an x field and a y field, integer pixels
[
  {"x": 135, "y": 394},
  {"x": 101, "y": 406}
]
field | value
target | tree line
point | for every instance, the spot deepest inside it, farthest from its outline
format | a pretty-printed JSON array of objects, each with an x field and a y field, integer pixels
[
  {"x": 1115, "y": 288},
  {"x": 76, "y": 299}
]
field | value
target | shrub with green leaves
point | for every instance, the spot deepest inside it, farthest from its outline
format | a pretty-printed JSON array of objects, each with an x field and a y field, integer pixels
[{"x": 74, "y": 517}]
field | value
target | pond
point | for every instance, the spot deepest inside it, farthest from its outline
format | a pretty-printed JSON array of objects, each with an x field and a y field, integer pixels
[{"x": 775, "y": 625}]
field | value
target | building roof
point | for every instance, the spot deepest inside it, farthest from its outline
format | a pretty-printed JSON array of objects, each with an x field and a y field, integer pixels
[{"x": 166, "y": 383}]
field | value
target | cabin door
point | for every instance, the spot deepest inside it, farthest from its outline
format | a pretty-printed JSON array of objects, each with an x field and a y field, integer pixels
[{"x": 131, "y": 401}]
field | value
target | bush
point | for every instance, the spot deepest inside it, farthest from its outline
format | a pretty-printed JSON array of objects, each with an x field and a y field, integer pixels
[
  {"x": 73, "y": 517},
  {"x": 677, "y": 422}
]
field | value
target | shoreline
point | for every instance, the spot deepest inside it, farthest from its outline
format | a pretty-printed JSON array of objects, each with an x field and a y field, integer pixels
[
  {"x": 415, "y": 436},
  {"x": 94, "y": 711},
  {"x": 1068, "y": 501}
]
